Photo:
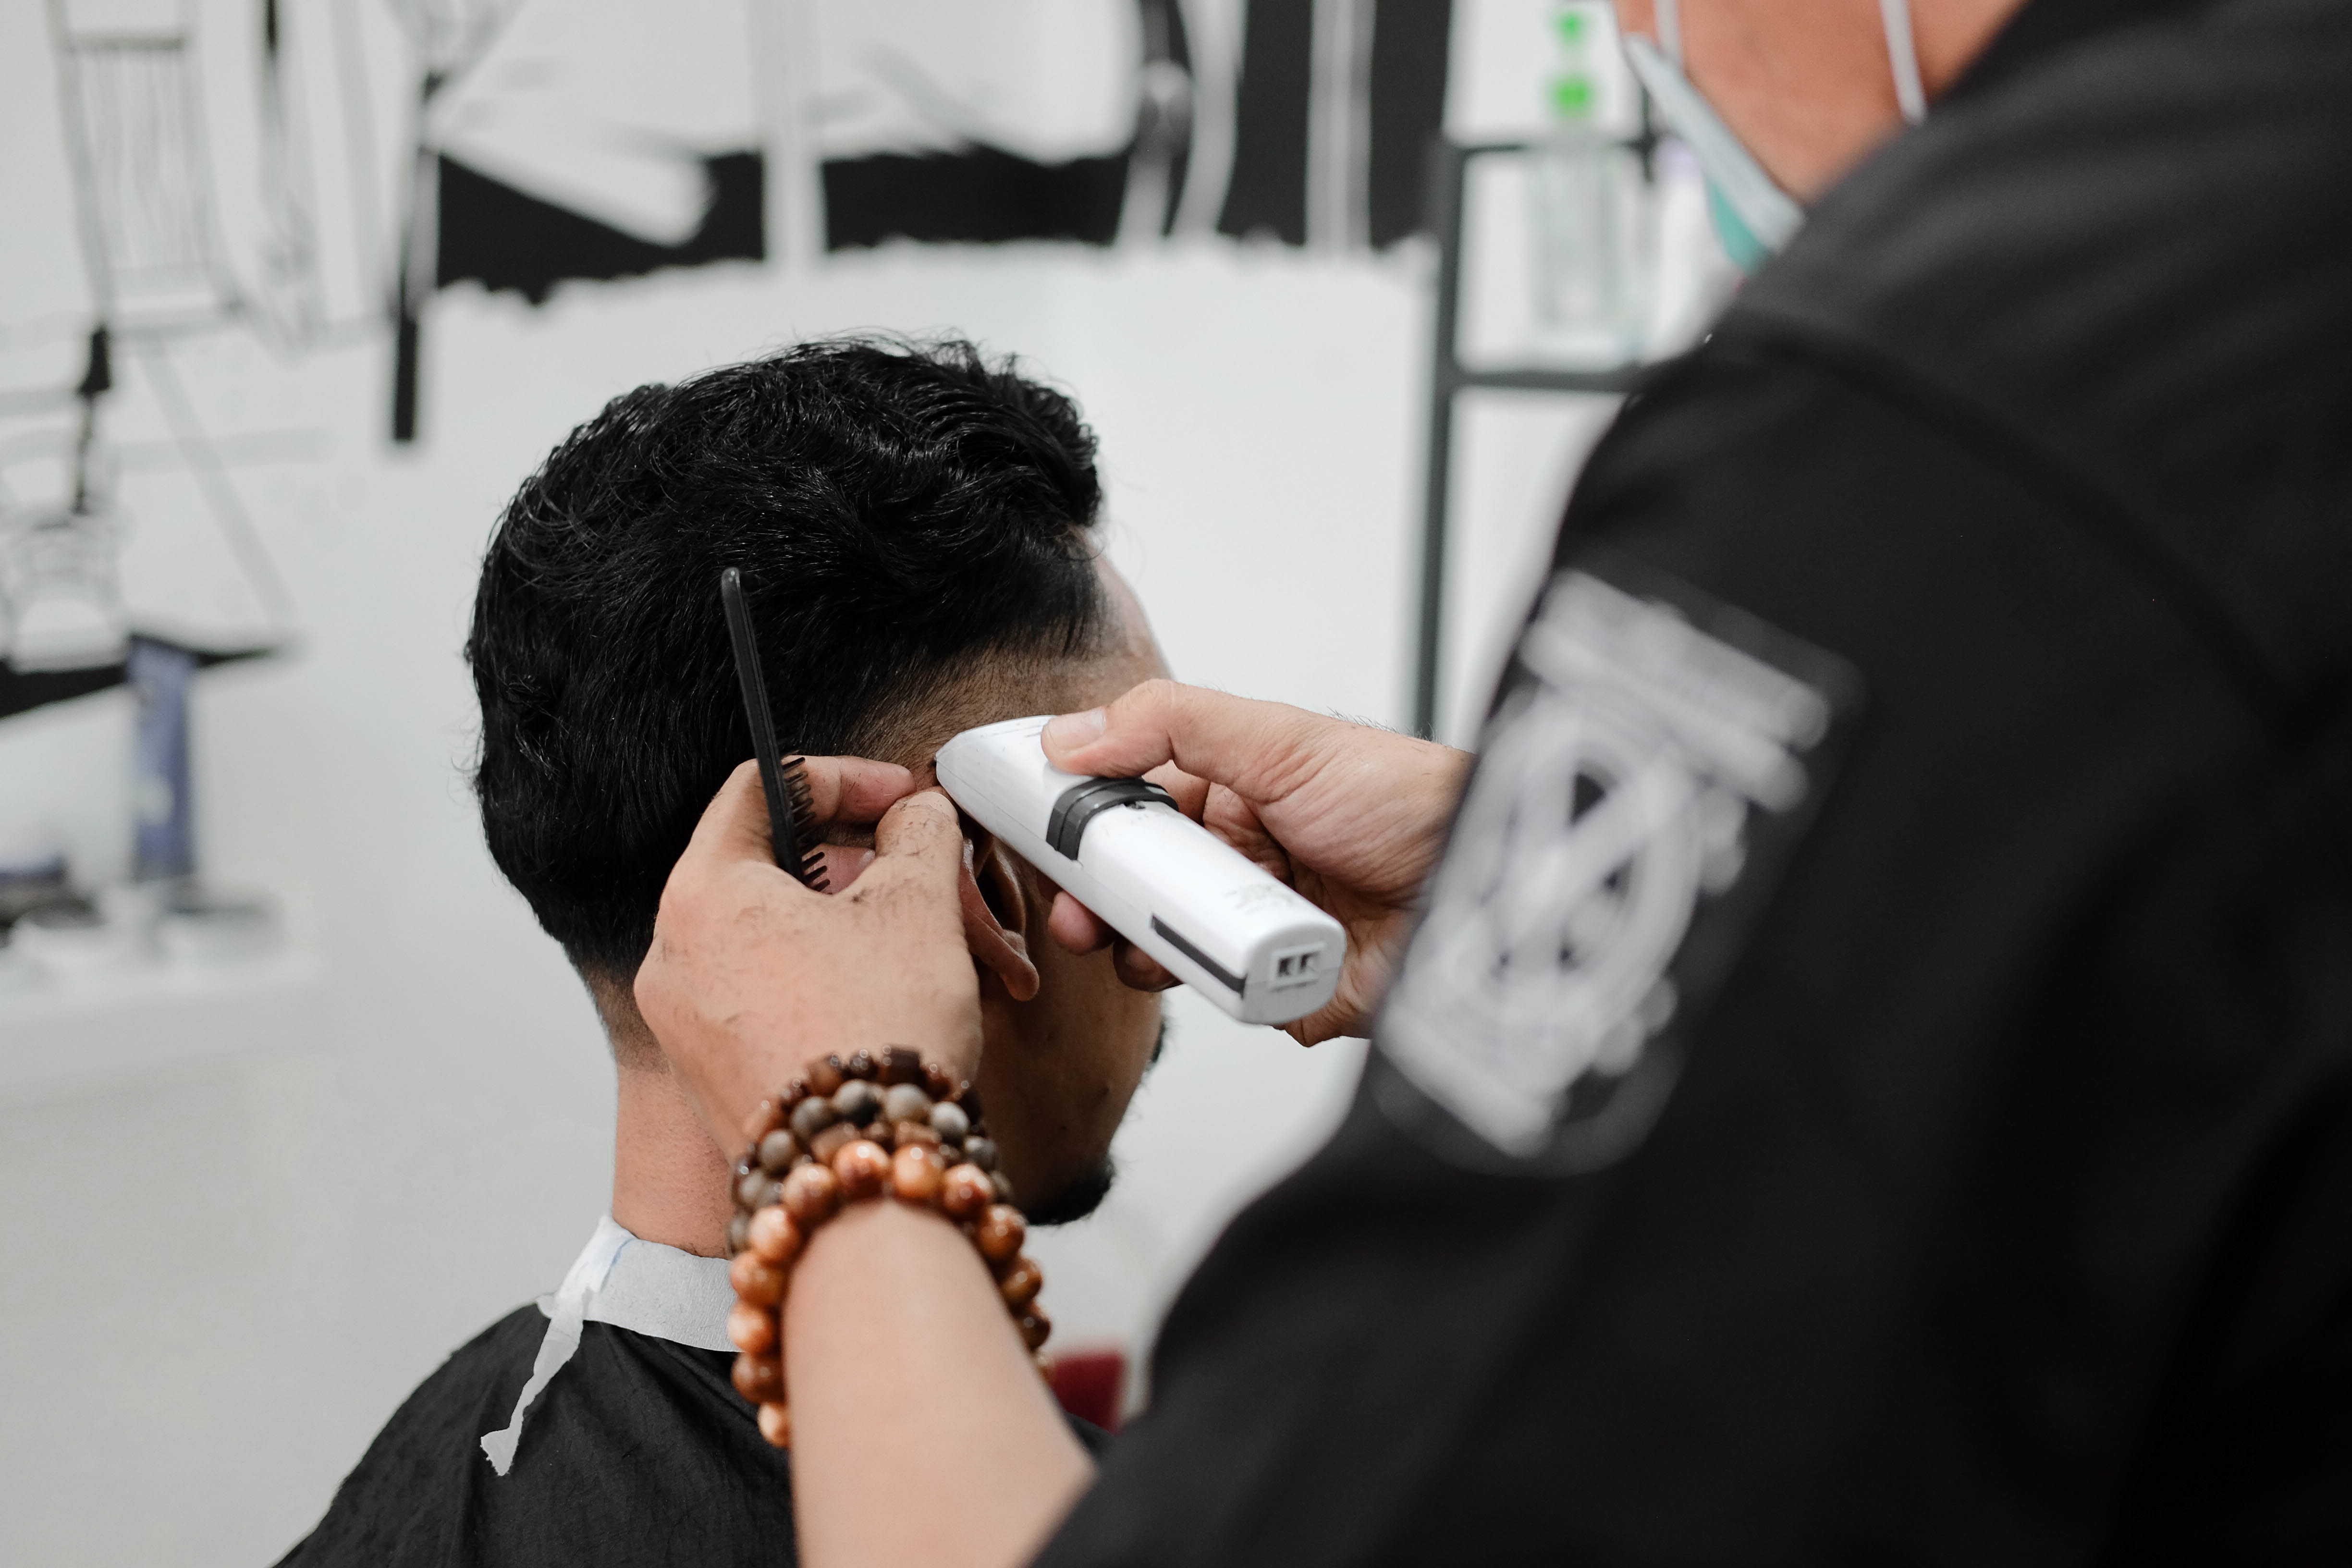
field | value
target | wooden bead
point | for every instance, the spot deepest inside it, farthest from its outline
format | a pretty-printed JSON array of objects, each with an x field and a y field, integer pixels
[
  {"x": 1035, "y": 1329},
  {"x": 810, "y": 1117},
  {"x": 1000, "y": 1233},
  {"x": 905, "y": 1133},
  {"x": 752, "y": 1189},
  {"x": 1046, "y": 1367},
  {"x": 776, "y": 1423},
  {"x": 902, "y": 1065},
  {"x": 795, "y": 1092},
  {"x": 774, "y": 1236},
  {"x": 915, "y": 1172},
  {"x": 1001, "y": 1185},
  {"x": 833, "y": 1140},
  {"x": 765, "y": 1118},
  {"x": 858, "y": 1101},
  {"x": 936, "y": 1083},
  {"x": 759, "y": 1377},
  {"x": 812, "y": 1194},
  {"x": 1020, "y": 1286},
  {"x": 860, "y": 1065},
  {"x": 752, "y": 1328},
  {"x": 755, "y": 1278},
  {"x": 980, "y": 1152},
  {"x": 738, "y": 1233},
  {"x": 950, "y": 1123},
  {"x": 881, "y": 1132},
  {"x": 825, "y": 1076},
  {"x": 967, "y": 1095},
  {"x": 905, "y": 1102},
  {"x": 862, "y": 1168},
  {"x": 964, "y": 1192},
  {"x": 776, "y": 1151}
]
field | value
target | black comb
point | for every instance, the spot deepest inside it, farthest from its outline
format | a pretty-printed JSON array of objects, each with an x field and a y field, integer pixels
[{"x": 785, "y": 779}]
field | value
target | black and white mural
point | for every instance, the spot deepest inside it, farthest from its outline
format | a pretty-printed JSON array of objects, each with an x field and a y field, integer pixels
[
  {"x": 566, "y": 138},
  {"x": 219, "y": 186},
  {"x": 163, "y": 256}
]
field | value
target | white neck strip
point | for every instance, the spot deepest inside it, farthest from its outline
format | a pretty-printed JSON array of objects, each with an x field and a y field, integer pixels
[{"x": 641, "y": 1286}]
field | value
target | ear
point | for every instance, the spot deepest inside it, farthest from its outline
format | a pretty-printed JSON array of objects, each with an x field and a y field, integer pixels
[{"x": 1000, "y": 948}]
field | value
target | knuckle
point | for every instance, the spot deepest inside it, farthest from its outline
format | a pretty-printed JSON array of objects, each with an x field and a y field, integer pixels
[{"x": 1158, "y": 695}]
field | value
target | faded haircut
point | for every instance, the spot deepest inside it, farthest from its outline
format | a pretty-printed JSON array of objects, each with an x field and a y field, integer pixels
[{"x": 897, "y": 510}]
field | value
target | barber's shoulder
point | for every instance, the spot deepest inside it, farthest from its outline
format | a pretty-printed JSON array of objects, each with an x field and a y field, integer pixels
[
  {"x": 2114, "y": 202},
  {"x": 2119, "y": 270}
]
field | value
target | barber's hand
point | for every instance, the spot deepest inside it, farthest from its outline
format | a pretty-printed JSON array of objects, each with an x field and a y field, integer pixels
[
  {"x": 751, "y": 977},
  {"x": 1350, "y": 815}
]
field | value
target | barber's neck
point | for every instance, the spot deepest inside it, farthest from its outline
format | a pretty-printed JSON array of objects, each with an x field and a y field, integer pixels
[{"x": 669, "y": 1180}]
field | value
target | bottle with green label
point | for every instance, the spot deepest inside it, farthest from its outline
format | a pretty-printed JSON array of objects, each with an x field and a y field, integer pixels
[{"x": 1590, "y": 210}]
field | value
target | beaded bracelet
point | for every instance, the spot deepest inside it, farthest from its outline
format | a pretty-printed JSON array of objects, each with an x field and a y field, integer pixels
[{"x": 851, "y": 1129}]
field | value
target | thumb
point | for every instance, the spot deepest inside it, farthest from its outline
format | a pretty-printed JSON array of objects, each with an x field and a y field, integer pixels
[
  {"x": 1260, "y": 751},
  {"x": 734, "y": 825}
]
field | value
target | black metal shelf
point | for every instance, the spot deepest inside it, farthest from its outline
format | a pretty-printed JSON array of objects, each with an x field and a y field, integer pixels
[
  {"x": 1449, "y": 163},
  {"x": 22, "y": 691}
]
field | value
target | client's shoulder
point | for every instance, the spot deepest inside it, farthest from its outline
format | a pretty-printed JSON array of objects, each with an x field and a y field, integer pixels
[
  {"x": 406, "y": 1500},
  {"x": 636, "y": 1450}
]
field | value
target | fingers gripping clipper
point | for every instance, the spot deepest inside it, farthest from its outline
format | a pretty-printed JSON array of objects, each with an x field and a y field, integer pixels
[{"x": 1122, "y": 849}]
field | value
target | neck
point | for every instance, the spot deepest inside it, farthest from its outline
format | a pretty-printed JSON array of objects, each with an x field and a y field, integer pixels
[
  {"x": 669, "y": 1180},
  {"x": 1811, "y": 89}
]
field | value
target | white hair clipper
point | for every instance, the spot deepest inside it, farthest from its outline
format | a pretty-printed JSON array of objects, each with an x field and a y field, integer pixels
[{"x": 1122, "y": 849}]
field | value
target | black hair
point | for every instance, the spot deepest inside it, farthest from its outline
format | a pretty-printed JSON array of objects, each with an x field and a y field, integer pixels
[{"x": 896, "y": 509}]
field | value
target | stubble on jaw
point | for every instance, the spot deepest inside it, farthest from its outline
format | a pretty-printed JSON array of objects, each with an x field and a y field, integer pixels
[
  {"x": 1078, "y": 1198},
  {"x": 1083, "y": 1195}
]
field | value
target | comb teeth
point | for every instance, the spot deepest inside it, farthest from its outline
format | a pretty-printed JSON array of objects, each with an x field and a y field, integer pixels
[{"x": 809, "y": 863}]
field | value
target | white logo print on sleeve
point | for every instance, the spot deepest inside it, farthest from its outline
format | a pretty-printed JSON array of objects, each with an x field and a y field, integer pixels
[{"x": 1629, "y": 769}]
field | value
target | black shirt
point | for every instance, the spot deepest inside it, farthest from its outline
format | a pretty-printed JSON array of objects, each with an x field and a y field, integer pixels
[
  {"x": 639, "y": 1451},
  {"x": 1974, "y": 1184}
]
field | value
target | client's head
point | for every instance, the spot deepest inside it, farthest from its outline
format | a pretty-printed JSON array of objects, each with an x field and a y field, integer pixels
[{"x": 915, "y": 529}]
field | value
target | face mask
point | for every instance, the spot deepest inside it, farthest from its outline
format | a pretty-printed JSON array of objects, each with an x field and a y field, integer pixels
[{"x": 1753, "y": 215}]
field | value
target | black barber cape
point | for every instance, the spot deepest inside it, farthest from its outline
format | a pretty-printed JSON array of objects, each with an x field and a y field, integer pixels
[
  {"x": 639, "y": 1452},
  {"x": 1876, "y": 1081}
]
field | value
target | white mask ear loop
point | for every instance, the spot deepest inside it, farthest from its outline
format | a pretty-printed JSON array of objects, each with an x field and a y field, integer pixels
[
  {"x": 1901, "y": 52},
  {"x": 1670, "y": 31}
]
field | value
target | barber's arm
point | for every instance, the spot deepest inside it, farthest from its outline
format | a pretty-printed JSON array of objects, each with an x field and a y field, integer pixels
[{"x": 921, "y": 1433}]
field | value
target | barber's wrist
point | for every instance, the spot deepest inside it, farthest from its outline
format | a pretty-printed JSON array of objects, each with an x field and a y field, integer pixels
[
  {"x": 825, "y": 1068},
  {"x": 785, "y": 1057},
  {"x": 792, "y": 1074},
  {"x": 879, "y": 1125}
]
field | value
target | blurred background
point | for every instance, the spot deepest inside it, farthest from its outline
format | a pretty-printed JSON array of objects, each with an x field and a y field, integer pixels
[{"x": 294, "y": 1096}]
